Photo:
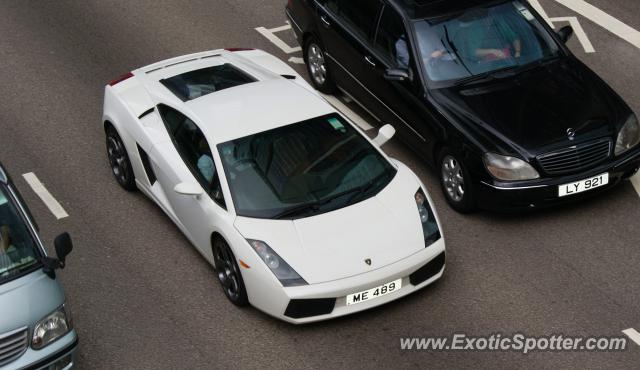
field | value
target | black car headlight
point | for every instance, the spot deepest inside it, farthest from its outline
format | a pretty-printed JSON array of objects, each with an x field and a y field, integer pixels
[
  {"x": 509, "y": 168},
  {"x": 287, "y": 275},
  {"x": 430, "y": 228},
  {"x": 629, "y": 135},
  {"x": 51, "y": 328}
]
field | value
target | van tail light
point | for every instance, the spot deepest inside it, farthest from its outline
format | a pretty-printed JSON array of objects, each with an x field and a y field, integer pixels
[{"x": 120, "y": 79}]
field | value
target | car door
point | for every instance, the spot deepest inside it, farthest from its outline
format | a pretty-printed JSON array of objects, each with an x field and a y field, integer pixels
[
  {"x": 188, "y": 159},
  {"x": 345, "y": 27},
  {"x": 403, "y": 100}
]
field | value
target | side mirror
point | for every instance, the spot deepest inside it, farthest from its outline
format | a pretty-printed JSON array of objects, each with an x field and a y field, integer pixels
[
  {"x": 188, "y": 188},
  {"x": 385, "y": 134},
  {"x": 64, "y": 246},
  {"x": 565, "y": 33},
  {"x": 398, "y": 74}
]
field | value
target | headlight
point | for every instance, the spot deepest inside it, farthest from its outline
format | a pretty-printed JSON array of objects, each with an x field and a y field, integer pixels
[
  {"x": 629, "y": 135},
  {"x": 427, "y": 218},
  {"x": 282, "y": 270},
  {"x": 51, "y": 328},
  {"x": 509, "y": 168}
]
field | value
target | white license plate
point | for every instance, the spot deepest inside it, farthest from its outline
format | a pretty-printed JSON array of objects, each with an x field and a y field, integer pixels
[
  {"x": 584, "y": 185},
  {"x": 374, "y": 293}
]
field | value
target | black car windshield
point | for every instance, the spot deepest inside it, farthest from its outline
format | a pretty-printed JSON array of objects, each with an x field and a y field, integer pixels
[
  {"x": 482, "y": 40},
  {"x": 303, "y": 169},
  {"x": 17, "y": 246}
]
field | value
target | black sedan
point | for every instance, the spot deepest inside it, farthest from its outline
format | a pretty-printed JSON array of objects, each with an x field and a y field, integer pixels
[{"x": 482, "y": 89}]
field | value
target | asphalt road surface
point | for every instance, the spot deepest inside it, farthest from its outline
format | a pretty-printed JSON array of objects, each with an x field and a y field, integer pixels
[{"x": 143, "y": 298}]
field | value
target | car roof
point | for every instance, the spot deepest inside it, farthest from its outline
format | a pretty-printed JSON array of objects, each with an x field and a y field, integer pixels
[
  {"x": 419, "y": 9},
  {"x": 255, "y": 107}
]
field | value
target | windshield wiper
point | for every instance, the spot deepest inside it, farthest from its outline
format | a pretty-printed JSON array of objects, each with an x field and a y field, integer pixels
[
  {"x": 506, "y": 71},
  {"x": 313, "y": 206},
  {"x": 364, "y": 189}
]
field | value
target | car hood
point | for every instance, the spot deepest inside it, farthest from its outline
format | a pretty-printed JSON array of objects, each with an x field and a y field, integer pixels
[
  {"x": 334, "y": 245},
  {"x": 28, "y": 299},
  {"x": 532, "y": 112}
]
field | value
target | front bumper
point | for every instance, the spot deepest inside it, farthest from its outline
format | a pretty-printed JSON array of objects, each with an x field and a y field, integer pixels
[
  {"x": 334, "y": 293},
  {"x": 542, "y": 193},
  {"x": 59, "y": 355}
]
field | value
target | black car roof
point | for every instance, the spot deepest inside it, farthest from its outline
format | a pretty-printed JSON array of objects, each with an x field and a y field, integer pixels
[{"x": 418, "y": 9}]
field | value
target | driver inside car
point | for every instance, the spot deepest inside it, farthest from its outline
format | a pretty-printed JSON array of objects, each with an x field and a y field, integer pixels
[{"x": 5, "y": 244}]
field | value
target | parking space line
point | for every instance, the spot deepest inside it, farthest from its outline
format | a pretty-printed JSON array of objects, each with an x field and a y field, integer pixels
[
  {"x": 635, "y": 180},
  {"x": 41, "y": 191},
  {"x": 355, "y": 117},
  {"x": 633, "y": 335},
  {"x": 573, "y": 21},
  {"x": 604, "y": 20},
  {"x": 269, "y": 34}
]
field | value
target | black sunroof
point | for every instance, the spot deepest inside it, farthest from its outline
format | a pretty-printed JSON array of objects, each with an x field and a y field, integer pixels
[{"x": 201, "y": 82}]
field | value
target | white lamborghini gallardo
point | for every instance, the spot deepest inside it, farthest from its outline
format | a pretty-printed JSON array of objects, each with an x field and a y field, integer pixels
[{"x": 300, "y": 213}]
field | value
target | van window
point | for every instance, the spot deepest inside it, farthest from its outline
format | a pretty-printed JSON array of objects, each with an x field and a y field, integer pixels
[
  {"x": 361, "y": 15},
  {"x": 18, "y": 251}
]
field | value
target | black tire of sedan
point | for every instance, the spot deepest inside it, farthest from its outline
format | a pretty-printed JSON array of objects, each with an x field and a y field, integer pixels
[
  {"x": 455, "y": 181},
  {"x": 317, "y": 66},
  {"x": 119, "y": 160},
  {"x": 228, "y": 273}
]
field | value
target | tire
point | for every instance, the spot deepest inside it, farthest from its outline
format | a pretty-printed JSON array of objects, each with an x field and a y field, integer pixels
[
  {"x": 228, "y": 273},
  {"x": 119, "y": 160},
  {"x": 317, "y": 67},
  {"x": 455, "y": 180}
]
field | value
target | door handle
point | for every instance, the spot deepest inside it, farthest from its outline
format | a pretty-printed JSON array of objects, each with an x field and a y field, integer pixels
[
  {"x": 325, "y": 21},
  {"x": 369, "y": 60}
]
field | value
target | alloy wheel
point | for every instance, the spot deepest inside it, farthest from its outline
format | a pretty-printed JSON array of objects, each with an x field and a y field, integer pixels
[{"x": 453, "y": 178}]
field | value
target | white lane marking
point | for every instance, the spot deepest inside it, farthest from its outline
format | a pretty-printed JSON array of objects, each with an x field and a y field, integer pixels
[
  {"x": 296, "y": 60},
  {"x": 604, "y": 20},
  {"x": 270, "y": 35},
  {"x": 579, "y": 31},
  {"x": 633, "y": 335},
  {"x": 43, "y": 193},
  {"x": 575, "y": 24},
  {"x": 635, "y": 180},
  {"x": 353, "y": 116}
]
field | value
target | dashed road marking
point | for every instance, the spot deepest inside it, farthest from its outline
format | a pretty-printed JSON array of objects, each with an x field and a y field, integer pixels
[
  {"x": 41, "y": 191},
  {"x": 604, "y": 20},
  {"x": 633, "y": 335}
]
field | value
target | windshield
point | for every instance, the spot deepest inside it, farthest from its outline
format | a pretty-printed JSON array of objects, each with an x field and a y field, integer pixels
[
  {"x": 17, "y": 247},
  {"x": 302, "y": 169},
  {"x": 482, "y": 40}
]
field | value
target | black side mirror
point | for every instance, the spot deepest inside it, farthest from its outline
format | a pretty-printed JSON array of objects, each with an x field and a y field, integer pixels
[
  {"x": 398, "y": 74},
  {"x": 64, "y": 246},
  {"x": 565, "y": 33}
]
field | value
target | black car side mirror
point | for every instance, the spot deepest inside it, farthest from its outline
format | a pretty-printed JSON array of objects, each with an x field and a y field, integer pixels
[
  {"x": 398, "y": 74},
  {"x": 565, "y": 33},
  {"x": 64, "y": 246}
]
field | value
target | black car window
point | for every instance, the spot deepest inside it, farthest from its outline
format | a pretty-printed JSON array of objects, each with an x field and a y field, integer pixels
[
  {"x": 194, "y": 84},
  {"x": 194, "y": 150},
  {"x": 391, "y": 39},
  {"x": 362, "y": 15}
]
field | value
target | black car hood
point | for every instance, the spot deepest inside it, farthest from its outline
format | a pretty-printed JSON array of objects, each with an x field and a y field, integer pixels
[{"x": 532, "y": 111}]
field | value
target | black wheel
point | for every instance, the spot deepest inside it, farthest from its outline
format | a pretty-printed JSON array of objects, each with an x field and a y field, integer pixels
[
  {"x": 317, "y": 67},
  {"x": 229, "y": 273},
  {"x": 456, "y": 182},
  {"x": 119, "y": 160}
]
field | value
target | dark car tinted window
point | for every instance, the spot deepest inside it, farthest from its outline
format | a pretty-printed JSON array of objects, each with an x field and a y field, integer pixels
[
  {"x": 193, "y": 148},
  {"x": 201, "y": 82},
  {"x": 391, "y": 38},
  {"x": 18, "y": 251},
  {"x": 360, "y": 14}
]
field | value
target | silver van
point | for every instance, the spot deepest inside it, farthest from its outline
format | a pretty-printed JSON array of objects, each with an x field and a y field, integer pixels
[{"x": 36, "y": 331}]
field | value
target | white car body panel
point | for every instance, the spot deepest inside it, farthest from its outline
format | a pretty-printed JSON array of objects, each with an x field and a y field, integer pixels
[{"x": 327, "y": 250}]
